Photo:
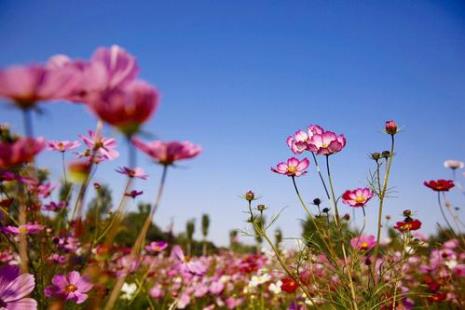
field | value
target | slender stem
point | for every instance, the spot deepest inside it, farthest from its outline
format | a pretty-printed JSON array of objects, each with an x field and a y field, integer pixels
[
  {"x": 139, "y": 242},
  {"x": 321, "y": 176},
  {"x": 64, "y": 167},
  {"x": 27, "y": 122},
  {"x": 382, "y": 194},
  {"x": 333, "y": 196},
  {"x": 444, "y": 214}
]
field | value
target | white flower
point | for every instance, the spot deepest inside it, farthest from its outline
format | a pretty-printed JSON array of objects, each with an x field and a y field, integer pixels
[
  {"x": 128, "y": 290},
  {"x": 275, "y": 288},
  {"x": 451, "y": 264},
  {"x": 453, "y": 164},
  {"x": 258, "y": 280}
]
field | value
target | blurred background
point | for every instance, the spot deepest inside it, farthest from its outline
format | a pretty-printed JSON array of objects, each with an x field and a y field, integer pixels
[{"x": 238, "y": 77}]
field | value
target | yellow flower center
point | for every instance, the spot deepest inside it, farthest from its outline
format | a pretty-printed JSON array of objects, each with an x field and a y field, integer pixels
[
  {"x": 359, "y": 199},
  {"x": 292, "y": 169},
  {"x": 364, "y": 245},
  {"x": 70, "y": 288},
  {"x": 22, "y": 229}
]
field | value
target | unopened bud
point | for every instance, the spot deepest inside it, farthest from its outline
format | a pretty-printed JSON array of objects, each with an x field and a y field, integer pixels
[
  {"x": 249, "y": 196},
  {"x": 261, "y": 208},
  {"x": 391, "y": 127},
  {"x": 375, "y": 156}
]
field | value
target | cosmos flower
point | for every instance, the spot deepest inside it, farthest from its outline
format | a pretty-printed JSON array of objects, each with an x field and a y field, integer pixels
[
  {"x": 133, "y": 172},
  {"x": 453, "y": 164},
  {"x": 363, "y": 242},
  {"x": 357, "y": 197},
  {"x": 298, "y": 142},
  {"x": 391, "y": 127},
  {"x": 289, "y": 285},
  {"x": 14, "y": 287},
  {"x": 440, "y": 185},
  {"x": 106, "y": 147},
  {"x": 20, "y": 151},
  {"x": 327, "y": 143},
  {"x": 133, "y": 194},
  {"x": 168, "y": 152},
  {"x": 72, "y": 287},
  {"x": 293, "y": 167},
  {"x": 156, "y": 246},
  {"x": 25, "y": 229},
  {"x": 55, "y": 207},
  {"x": 63, "y": 146},
  {"x": 408, "y": 225}
]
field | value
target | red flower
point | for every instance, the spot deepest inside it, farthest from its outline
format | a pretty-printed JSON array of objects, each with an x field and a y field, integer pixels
[
  {"x": 289, "y": 285},
  {"x": 440, "y": 185},
  {"x": 391, "y": 127},
  {"x": 437, "y": 297},
  {"x": 407, "y": 225}
]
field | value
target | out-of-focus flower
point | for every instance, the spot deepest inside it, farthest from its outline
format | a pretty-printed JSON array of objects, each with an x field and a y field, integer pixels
[
  {"x": 23, "y": 229},
  {"x": 133, "y": 172},
  {"x": 293, "y": 167},
  {"x": 275, "y": 288},
  {"x": 72, "y": 287},
  {"x": 408, "y": 225},
  {"x": 327, "y": 143},
  {"x": 27, "y": 85},
  {"x": 63, "y": 146},
  {"x": 289, "y": 285},
  {"x": 133, "y": 194},
  {"x": 126, "y": 108},
  {"x": 363, "y": 242},
  {"x": 20, "y": 151},
  {"x": 194, "y": 267},
  {"x": 454, "y": 164},
  {"x": 168, "y": 152},
  {"x": 55, "y": 207},
  {"x": 357, "y": 197},
  {"x": 440, "y": 185},
  {"x": 14, "y": 287},
  {"x": 128, "y": 290},
  {"x": 79, "y": 170},
  {"x": 391, "y": 127},
  {"x": 99, "y": 145},
  {"x": 156, "y": 246},
  {"x": 258, "y": 280}
]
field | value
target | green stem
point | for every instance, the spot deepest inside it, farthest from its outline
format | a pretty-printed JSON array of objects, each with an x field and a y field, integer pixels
[{"x": 321, "y": 176}]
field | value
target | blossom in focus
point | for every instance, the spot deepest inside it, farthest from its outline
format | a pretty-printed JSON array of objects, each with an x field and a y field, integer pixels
[
  {"x": 357, "y": 197},
  {"x": 454, "y": 164},
  {"x": 440, "y": 185},
  {"x": 363, "y": 242},
  {"x": 26, "y": 85},
  {"x": 326, "y": 143},
  {"x": 14, "y": 287},
  {"x": 293, "y": 167},
  {"x": 20, "y": 151},
  {"x": 62, "y": 146},
  {"x": 106, "y": 147},
  {"x": 298, "y": 142},
  {"x": 168, "y": 152},
  {"x": 156, "y": 246},
  {"x": 71, "y": 287},
  {"x": 125, "y": 108},
  {"x": 133, "y": 172},
  {"x": 23, "y": 229}
]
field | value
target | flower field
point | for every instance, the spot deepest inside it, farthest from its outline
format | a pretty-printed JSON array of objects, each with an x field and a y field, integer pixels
[{"x": 65, "y": 245}]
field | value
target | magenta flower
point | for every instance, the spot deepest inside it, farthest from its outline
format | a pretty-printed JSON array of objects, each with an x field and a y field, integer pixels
[
  {"x": 133, "y": 194},
  {"x": 156, "y": 246},
  {"x": 26, "y": 85},
  {"x": 293, "y": 167},
  {"x": 104, "y": 147},
  {"x": 298, "y": 142},
  {"x": 21, "y": 151},
  {"x": 357, "y": 197},
  {"x": 14, "y": 287},
  {"x": 326, "y": 143},
  {"x": 168, "y": 152},
  {"x": 133, "y": 173},
  {"x": 363, "y": 242},
  {"x": 63, "y": 146},
  {"x": 126, "y": 108},
  {"x": 31, "y": 229},
  {"x": 193, "y": 267},
  {"x": 55, "y": 207},
  {"x": 70, "y": 287}
]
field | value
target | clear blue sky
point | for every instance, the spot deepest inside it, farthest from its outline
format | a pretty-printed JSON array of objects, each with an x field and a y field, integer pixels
[{"x": 238, "y": 76}]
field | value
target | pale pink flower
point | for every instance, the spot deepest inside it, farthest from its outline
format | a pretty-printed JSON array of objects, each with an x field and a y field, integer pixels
[
  {"x": 363, "y": 242},
  {"x": 63, "y": 146},
  {"x": 454, "y": 164},
  {"x": 101, "y": 145},
  {"x": 20, "y": 151},
  {"x": 357, "y": 197},
  {"x": 168, "y": 152},
  {"x": 156, "y": 246},
  {"x": 293, "y": 167},
  {"x": 326, "y": 143},
  {"x": 298, "y": 142},
  {"x": 133, "y": 172}
]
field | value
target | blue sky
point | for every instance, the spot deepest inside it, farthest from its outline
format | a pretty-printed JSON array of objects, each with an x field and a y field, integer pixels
[{"x": 238, "y": 77}]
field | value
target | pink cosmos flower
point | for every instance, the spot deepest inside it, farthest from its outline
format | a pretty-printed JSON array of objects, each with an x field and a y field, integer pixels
[
  {"x": 63, "y": 146},
  {"x": 194, "y": 267},
  {"x": 21, "y": 151},
  {"x": 126, "y": 108},
  {"x": 363, "y": 242},
  {"x": 104, "y": 147},
  {"x": 26, "y": 85},
  {"x": 326, "y": 143},
  {"x": 357, "y": 197},
  {"x": 14, "y": 287},
  {"x": 156, "y": 246},
  {"x": 133, "y": 194},
  {"x": 298, "y": 142},
  {"x": 70, "y": 287},
  {"x": 55, "y": 207},
  {"x": 168, "y": 152},
  {"x": 293, "y": 167},
  {"x": 25, "y": 229},
  {"x": 133, "y": 173}
]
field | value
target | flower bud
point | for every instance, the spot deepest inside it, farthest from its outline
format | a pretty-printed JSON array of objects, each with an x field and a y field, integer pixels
[
  {"x": 391, "y": 127},
  {"x": 325, "y": 210},
  {"x": 375, "y": 156},
  {"x": 407, "y": 213},
  {"x": 317, "y": 201},
  {"x": 249, "y": 196},
  {"x": 346, "y": 217},
  {"x": 386, "y": 154},
  {"x": 261, "y": 208}
]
